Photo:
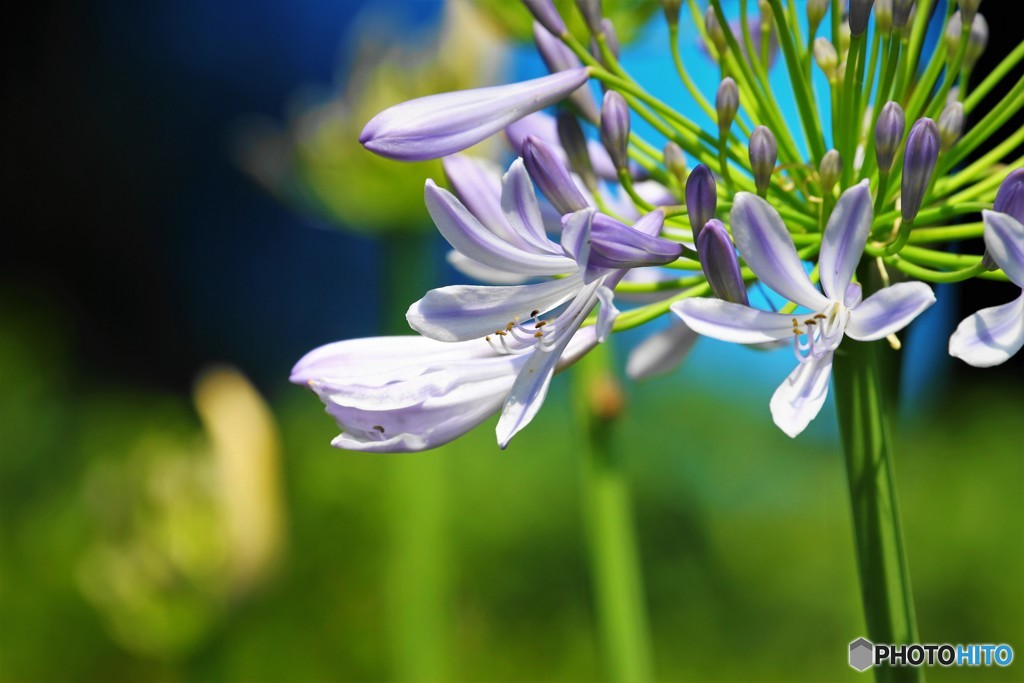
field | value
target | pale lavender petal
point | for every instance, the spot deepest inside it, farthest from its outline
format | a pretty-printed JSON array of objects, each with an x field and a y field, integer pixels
[
  {"x": 733, "y": 322},
  {"x": 464, "y": 312},
  {"x": 662, "y": 352},
  {"x": 522, "y": 210},
  {"x": 477, "y": 184},
  {"x": 799, "y": 398},
  {"x": 607, "y": 314},
  {"x": 650, "y": 224},
  {"x": 438, "y": 125},
  {"x": 888, "y": 310},
  {"x": 576, "y": 228},
  {"x": 854, "y": 295},
  {"x": 1004, "y": 239},
  {"x": 845, "y": 236},
  {"x": 482, "y": 273},
  {"x": 990, "y": 336},
  {"x": 766, "y": 246},
  {"x": 465, "y": 233},
  {"x": 617, "y": 245}
]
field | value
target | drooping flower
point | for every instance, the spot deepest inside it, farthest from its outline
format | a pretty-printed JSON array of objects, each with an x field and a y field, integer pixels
[
  {"x": 766, "y": 246},
  {"x": 438, "y": 125},
  {"x": 992, "y": 335}
]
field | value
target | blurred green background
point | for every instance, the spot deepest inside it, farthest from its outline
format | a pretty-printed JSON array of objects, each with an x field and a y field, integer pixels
[{"x": 168, "y": 518}]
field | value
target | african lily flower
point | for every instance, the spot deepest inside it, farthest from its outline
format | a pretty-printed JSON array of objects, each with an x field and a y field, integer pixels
[{"x": 767, "y": 247}]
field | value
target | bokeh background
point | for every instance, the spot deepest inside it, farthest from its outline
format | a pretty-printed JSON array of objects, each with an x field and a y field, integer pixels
[{"x": 187, "y": 213}]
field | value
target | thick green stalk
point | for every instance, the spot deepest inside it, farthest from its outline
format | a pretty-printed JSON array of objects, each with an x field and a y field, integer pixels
[
  {"x": 418, "y": 584},
  {"x": 861, "y": 404},
  {"x": 612, "y": 545}
]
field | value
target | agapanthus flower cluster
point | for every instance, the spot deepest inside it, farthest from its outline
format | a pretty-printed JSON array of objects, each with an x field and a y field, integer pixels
[{"x": 819, "y": 209}]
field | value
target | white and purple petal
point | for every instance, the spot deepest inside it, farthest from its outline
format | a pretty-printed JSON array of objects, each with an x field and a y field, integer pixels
[
  {"x": 991, "y": 336},
  {"x": 799, "y": 398},
  {"x": 522, "y": 210},
  {"x": 732, "y": 322},
  {"x": 888, "y": 310},
  {"x": 843, "y": 242},
  {"x": 661, "y": 352},
  {"x": 1004, "y": 240},
  {"x": 617, "y": 245}
]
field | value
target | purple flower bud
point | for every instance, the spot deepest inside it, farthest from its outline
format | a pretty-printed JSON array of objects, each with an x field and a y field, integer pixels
[
  {"x": 557, "y": 57},
  {"x": 888, "y": 134},
  {"x": 901, "y": 13},
  {"x": 617, "y": 245},
  {"x": 918, "y": 165},
  {"x": 816, "y": 10},
  {"x": 675, "y": 161},
  {"x": 701, "y": 198},
  {"x": 727, "y": 103},
  {"x": 591, "y": 11},
  {"x": 551, "y": 177},
  {"x": 574, "y": 142},
  {"x": 1010, "y": 196},
  {"x": 951, "y": 124},
  {"x": 714, "y": 29},
  {"x": 721, "y": 267},
  {"x": 829, "y": 170},
  {"x": 860, "y": 10},
  {"x": 764, "y": 152},
  {"x": 544, "y": 12},
  {"x": 671, "y": 8},
  {"x": 612, "y": 38},
  {"x": 968, "y": 8},
  {"x": 438, "y": 125},
  {"x": 615, "y": 128}
]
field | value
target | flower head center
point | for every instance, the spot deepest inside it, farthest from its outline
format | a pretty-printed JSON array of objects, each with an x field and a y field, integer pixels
[{"x": 820, "y": 334}]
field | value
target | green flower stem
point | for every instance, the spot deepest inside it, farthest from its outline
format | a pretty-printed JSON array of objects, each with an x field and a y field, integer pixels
[
  {"x": 607, "y": 506},
  {"x": 985, "y": 190},
  {"x": 952, "y": 73},
  {"x": 889, "y": 63},
  {"x": 993, "y": 79},
  {"x": 418, "y": 584},
  {"x": 965, "y": 231},
  {"x": 922, "y": 18},
  {"x": 627, "y": 184},
  {"x": 684, "y": 75},
  {"x": 929, "y": 216},
  {"x": 867, "y": 445},
  {"x": 983, "y": 131}
]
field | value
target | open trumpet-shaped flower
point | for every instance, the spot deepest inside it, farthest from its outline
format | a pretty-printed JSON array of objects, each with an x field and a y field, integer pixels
[
  {"x": 992, "y": 335},
  {"x": 766, "y": 246}
]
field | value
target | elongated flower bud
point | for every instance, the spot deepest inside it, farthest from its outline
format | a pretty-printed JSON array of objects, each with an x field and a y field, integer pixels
[
  {"x": 829, "y": 170},
  {"x": 551, "y": 177},
  {"x": 968, "y": 8},
  {"x": 610, "y": 36},
  {"x": 860, "y": 10},
  {"x": 977, "y": 41},
  {"x": 901, "y": 13},
  {"x": 951, "y": 124},
  {"x": 764, "y": 152},
  {"x": 826, "y": 57},
  {"x": 591, "y": 12},
  {"x": 545, "y": 13},
  {"x": 715, "y": 31},
  {"x": 675, "y": 161},
  {"x": 438, "y": 125},
  {"x": 557, "y": 57},
  {"x": 918, "y": 165},
  {"x": 1010, "y": 196},
  {"x": 883, "y": 16},
  {"x": 727, "y": 103},
  {"x": 701, "y": 198},
  {"x": 816, "y": 10},
  {"x": 671, "y": 8},
  {"x": 615, "y": 128},
  {"x": 721, "y": 267},
  {"x": 574, "y": 142},
  {"x": 889, "y": 134}
]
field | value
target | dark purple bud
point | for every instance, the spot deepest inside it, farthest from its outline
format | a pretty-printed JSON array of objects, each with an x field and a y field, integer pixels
[
  {"x": 968, "y": 8},
  {"x": 901, "y": 13},
  {"x": 889, "y": 134},
  {"x": 701, "y": 198},
  {"x": 558, "y": 57},
  {"x": 545, "y": 13},
  {"x": 951, "y": 124},
  {"x": 721, "y": 267},
  {"x": 829, "y": 170},
  {"x": 551, "y": 177},
  {"x": 816, "y": 10},
  {"x": 615, "y": 128},
  {"x": 918, "y": 165},
  {"x": 1010, "y": 196},
  {"x": 727, "y": 103},
  {"x": 675, "y": 161},
  {"x": 574, "y": 142},
  {"x": 764, "y": 152},
  {"x": 591, "y": 11},
  {"x": 860, "y": 10},
  {"x": 671, "y": 8}
]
